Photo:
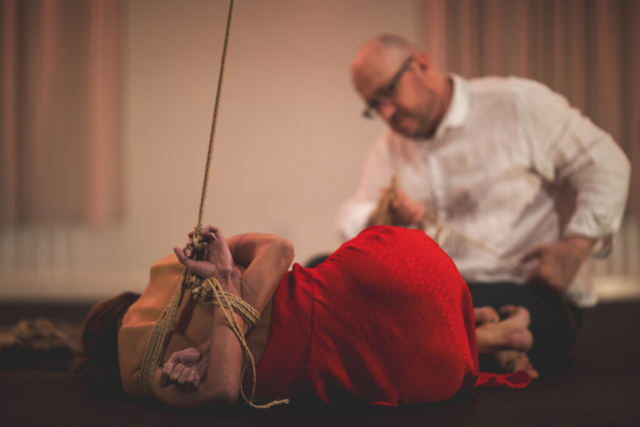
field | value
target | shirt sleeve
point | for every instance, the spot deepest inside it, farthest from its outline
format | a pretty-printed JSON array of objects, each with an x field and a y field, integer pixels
[
  {"x": 564, "y": 144},
  {"x": 377, "y": 170}
]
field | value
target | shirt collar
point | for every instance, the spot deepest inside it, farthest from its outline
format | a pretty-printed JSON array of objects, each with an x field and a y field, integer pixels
[{"x": 458, "y": 107}]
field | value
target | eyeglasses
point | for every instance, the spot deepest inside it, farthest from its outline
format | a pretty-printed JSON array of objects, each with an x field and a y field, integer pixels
[{"x": 386, "y": 93}]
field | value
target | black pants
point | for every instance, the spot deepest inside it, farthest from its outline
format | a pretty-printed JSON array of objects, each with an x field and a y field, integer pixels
[{"x": 554, "y": 323}]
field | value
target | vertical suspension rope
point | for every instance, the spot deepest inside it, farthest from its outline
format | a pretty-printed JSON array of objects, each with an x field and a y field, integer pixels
[
  {"x": 157, "y": 343},
  {"x": 205, "y": 184}
]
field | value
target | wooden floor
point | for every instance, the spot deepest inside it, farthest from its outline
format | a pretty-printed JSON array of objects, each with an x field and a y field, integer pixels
[{"x": 601, "y": 387}]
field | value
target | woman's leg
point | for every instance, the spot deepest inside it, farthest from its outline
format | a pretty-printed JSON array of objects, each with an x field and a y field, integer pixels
[
  {"x": 505, "y": 341},
  {"x": 553, "y": 330}
]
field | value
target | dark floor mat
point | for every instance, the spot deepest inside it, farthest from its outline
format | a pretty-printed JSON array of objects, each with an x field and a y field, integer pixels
[{"x": 600, "y": 387}]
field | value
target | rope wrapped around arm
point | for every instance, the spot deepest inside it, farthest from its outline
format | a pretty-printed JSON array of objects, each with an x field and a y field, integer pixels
[{"x": 207, "y": 291}]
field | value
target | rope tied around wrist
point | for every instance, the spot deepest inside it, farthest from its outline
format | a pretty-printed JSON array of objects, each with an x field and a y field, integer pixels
[{"x": 208, "y": 291}]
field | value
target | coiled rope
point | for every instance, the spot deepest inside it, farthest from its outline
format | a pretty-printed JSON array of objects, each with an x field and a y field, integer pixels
[
  {"x": 207, "y": 291},
  {"x": 382, "y": 216}
]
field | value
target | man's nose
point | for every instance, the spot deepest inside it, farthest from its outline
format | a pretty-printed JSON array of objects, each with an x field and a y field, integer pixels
[{"x": 386, "y": 110}]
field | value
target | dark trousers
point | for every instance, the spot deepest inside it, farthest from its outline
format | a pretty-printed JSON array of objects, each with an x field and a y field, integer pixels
[{"x": 554, "y": 322}]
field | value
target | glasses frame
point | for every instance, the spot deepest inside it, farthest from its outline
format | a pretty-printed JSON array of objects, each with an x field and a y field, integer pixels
[{"x": 385, "y": 94}]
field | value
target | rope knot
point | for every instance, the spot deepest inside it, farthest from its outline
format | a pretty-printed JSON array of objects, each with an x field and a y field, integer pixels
[
  {"x": 209, "y": 291},
  {"x": 199, "y": 246},
  {"x": 203, "y": 291}
]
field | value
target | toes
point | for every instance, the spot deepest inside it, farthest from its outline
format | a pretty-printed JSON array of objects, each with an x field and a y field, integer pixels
[
  {"x": 484, "y": 315},
  {"x": 507, "y": 310},
  {"x": 524, "y": 312},
  {"x": 529, "y": 369},
  {"x": 516, "y": 312},
  {"x": 521, "y": 340}
]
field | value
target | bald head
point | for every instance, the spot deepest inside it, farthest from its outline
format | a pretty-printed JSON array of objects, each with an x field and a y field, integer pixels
[
  {"x": 419, "y": 94},
  {"x": 379, "y": 58}
]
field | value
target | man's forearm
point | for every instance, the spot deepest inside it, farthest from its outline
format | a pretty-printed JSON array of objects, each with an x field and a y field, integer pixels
[
  {"x": 579, "y": 247},
  {"x": 601, "y": 183}
]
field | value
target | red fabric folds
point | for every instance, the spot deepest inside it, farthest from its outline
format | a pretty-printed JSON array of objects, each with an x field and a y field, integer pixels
[
  {"x": 518, "y": 379},
  {"x": 386, "y": 320}
]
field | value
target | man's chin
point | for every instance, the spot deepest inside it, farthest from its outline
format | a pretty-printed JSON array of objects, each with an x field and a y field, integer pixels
[
  {"x": 404, "y": 130},
  {"x": 410, "y": 130},
  {"x": 409, "y": 133}
]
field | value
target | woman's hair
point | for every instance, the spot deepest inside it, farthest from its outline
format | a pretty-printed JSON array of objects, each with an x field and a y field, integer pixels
[{"x": 98, "y": 361}]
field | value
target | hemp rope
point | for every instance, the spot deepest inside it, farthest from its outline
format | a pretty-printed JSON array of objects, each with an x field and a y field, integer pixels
[
  {"x": 382, "y": 216},
  {"x": 208, "y": 291}
]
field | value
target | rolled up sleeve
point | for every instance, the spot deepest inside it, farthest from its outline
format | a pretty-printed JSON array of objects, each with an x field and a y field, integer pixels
[{"x": 564, "y": 144}]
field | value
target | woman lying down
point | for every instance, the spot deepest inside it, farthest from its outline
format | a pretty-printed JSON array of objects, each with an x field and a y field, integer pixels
[{"x": 385, "y": 320}]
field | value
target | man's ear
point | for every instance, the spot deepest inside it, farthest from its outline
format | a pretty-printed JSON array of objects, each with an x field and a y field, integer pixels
[{"x": 423, "y": 61}]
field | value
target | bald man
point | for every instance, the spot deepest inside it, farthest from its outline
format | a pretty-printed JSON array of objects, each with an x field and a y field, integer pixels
[{"x": 486, "y": 158}]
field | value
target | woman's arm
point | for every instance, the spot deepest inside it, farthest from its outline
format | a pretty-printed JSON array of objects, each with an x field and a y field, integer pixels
[
  {"x": 267, "y": 258},
  {"x": 178, "y": 386}
]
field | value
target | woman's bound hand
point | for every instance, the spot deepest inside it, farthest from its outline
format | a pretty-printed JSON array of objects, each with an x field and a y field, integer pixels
[
  {"x": 186, "y": 368},
  {"x": 219, "y": 263}
]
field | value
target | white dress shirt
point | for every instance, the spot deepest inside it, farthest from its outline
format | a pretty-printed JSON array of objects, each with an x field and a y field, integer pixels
[{"x": 491, "y": 172}]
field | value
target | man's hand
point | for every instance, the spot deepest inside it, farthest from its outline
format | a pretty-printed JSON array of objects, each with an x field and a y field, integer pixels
[
  {"x": 186, "y": 368},
  {"x": 406, "y": 211},
  {"x": 558, "y": 262}
]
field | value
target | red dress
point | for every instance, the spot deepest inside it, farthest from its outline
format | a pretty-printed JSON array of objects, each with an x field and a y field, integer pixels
[{"x": 385, "y": 320}]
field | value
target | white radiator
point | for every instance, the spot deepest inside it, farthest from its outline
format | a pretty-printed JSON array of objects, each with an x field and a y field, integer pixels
[{"x": 40, "y": 263}]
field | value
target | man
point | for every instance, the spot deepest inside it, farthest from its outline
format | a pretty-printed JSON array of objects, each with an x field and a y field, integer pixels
[{"x": 485, "y": 158}]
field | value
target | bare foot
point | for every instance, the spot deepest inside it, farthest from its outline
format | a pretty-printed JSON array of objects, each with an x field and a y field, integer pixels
[
  {"x": 513, "y": 361},
  {"x": 507, "y": 310},
  {"x": 484, "y": 315},
  {"x": 511, "y": 333}
]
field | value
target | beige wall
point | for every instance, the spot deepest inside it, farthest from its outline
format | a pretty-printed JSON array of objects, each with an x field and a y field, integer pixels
[{"x": 289, "y": 144}]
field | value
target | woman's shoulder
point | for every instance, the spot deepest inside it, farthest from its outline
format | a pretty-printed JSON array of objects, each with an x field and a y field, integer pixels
[
  {"x": 167, "y": 265},
  {"x": 132, "y": 341}
]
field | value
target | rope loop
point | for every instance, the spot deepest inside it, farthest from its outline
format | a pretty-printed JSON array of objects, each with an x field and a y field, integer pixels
[
  {"x": 199, "y": 246},
  {"x": 210, "y": 291}
]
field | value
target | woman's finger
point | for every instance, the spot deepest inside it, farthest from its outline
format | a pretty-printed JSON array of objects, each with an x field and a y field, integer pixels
[
  {"x": 190, "y": 380},
  {"x": 182, "y": 380},
  {"x": 176, "y": 372},
  {"x": 196, "y": 381},
  {"x": 182, "y": 257},
  {"x": 187, "y": 251},
  {"x": 167, "y": 369}
]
